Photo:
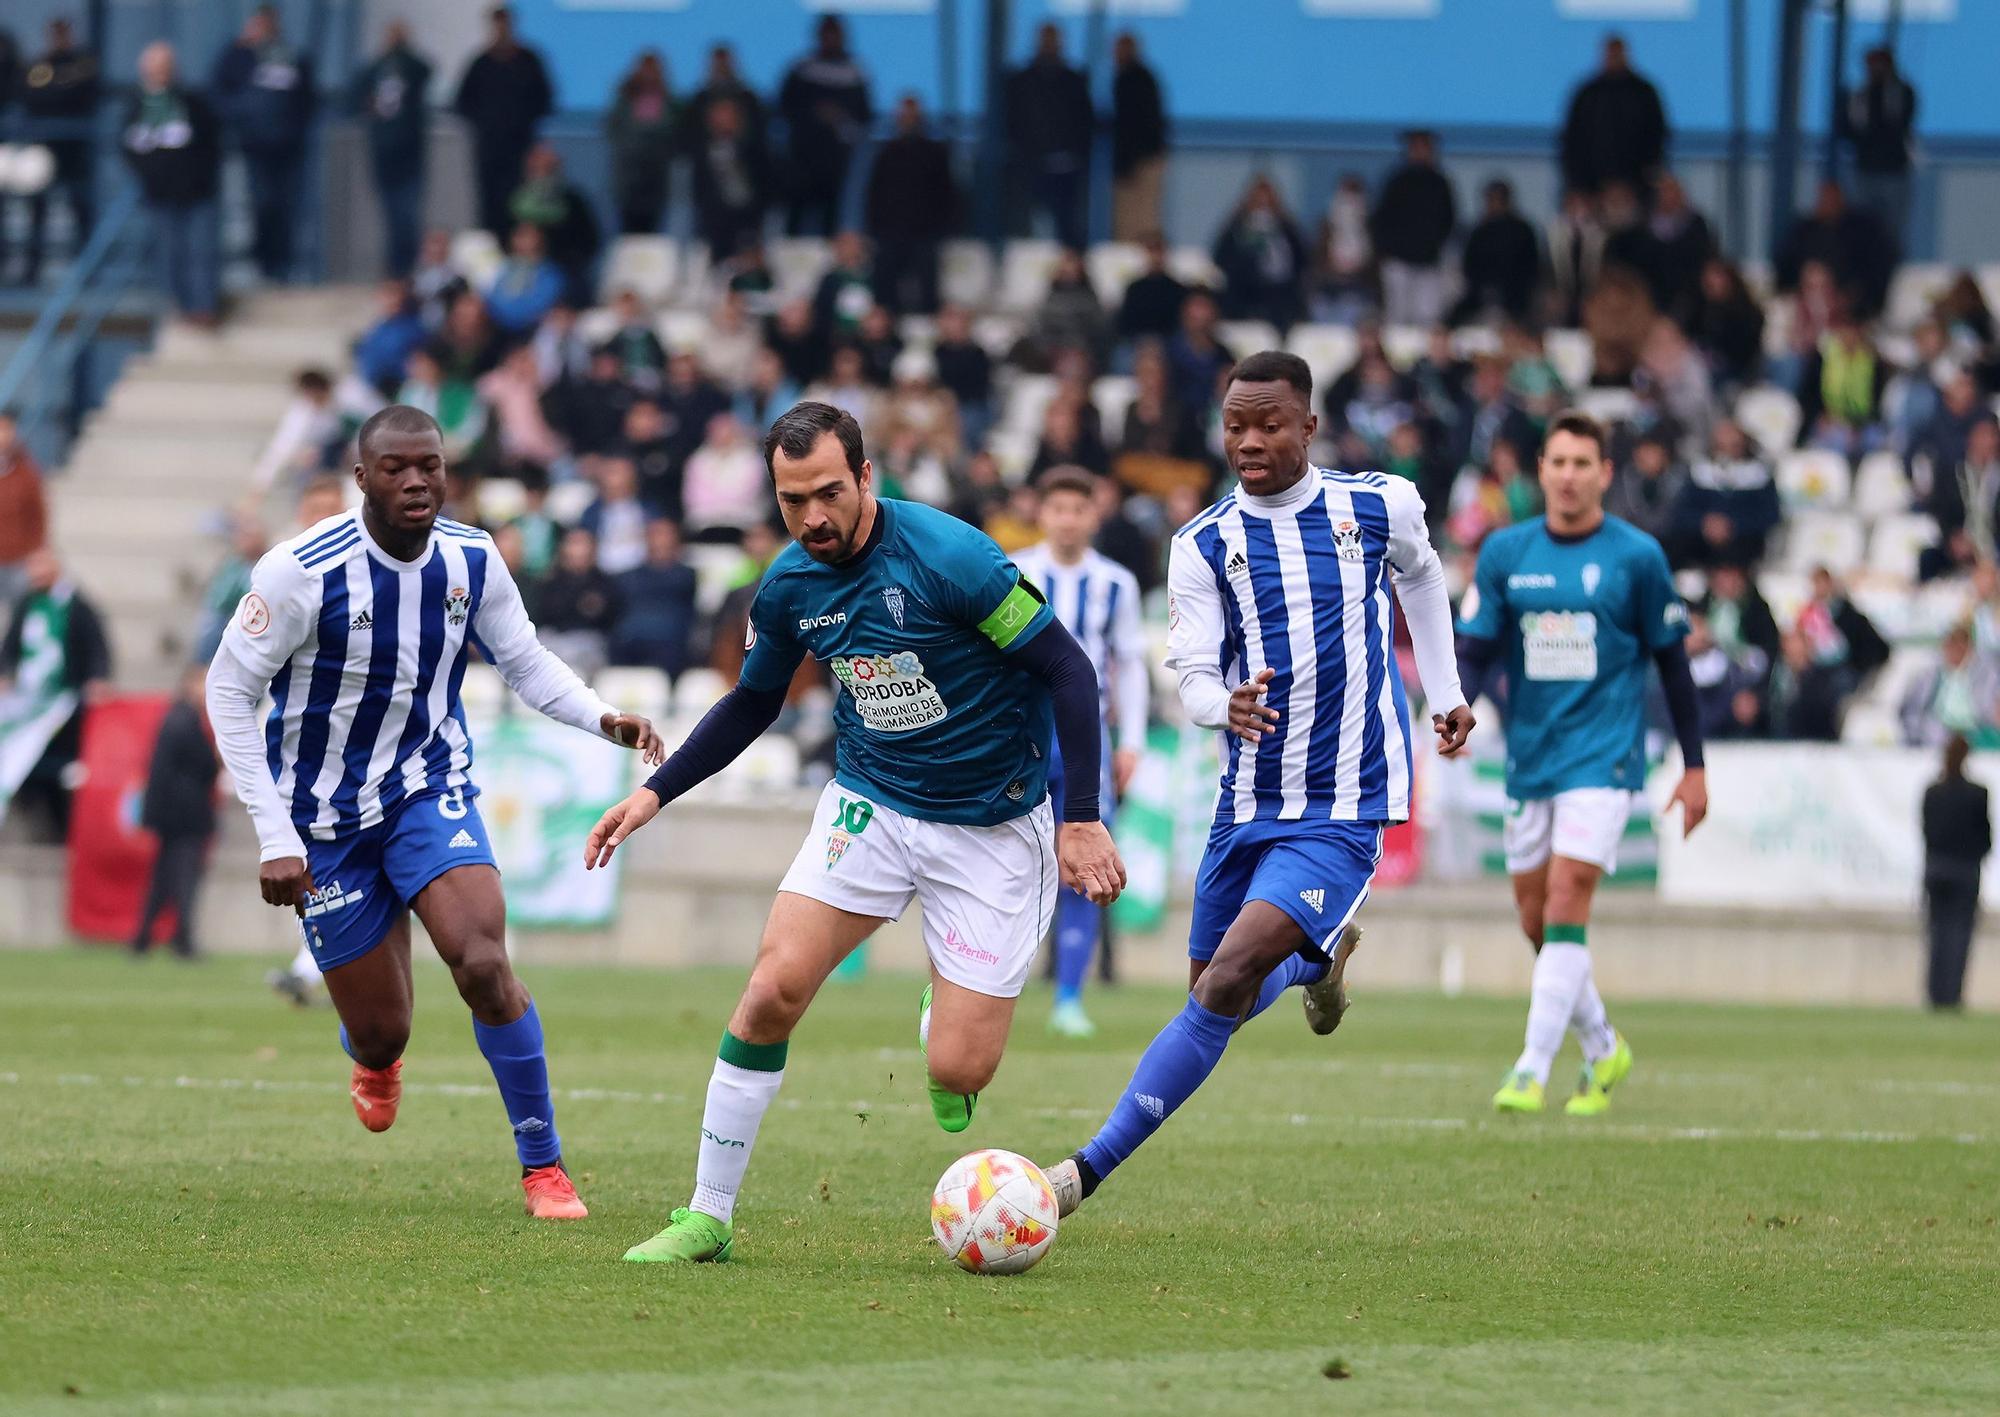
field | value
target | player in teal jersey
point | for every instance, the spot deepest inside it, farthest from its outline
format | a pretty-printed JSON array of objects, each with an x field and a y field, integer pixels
[
  {"x": 952, "y": 672},
  {"x": 1572, "y": 607}
]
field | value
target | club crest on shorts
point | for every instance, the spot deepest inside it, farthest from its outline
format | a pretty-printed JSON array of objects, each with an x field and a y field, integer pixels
[
  {"x": 1347, "y": 541},
  {"x": 458, "y": 605},
  {"x": 892, "y": 600},
  {"x": 837, "y": 842}
]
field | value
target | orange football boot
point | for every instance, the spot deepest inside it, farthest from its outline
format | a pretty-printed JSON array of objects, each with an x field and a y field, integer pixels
[
  {"x": 377, "y": 1093},
  {"x": 551, "y": 1194}
]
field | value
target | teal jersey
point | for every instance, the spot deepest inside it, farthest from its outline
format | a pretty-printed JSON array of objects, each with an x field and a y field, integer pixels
[
  {"x": 931, "y": 716},
  {"x": 1578, "y": 621}
]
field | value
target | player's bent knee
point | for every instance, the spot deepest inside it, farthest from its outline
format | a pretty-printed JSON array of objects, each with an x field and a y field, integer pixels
[
  {"x": 485, "y": 979},
  {"x": 962, "y": 1074},
  {"x": 376, "y": 1043},
  {"x": 1228, "y": 986},
  {"x": 771, "y": 1007}
]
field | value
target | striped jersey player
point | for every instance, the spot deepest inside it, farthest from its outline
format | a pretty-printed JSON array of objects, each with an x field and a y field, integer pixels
[
  {"x": 359, "y": 779},
  {"x": 1282, "y": 629}
]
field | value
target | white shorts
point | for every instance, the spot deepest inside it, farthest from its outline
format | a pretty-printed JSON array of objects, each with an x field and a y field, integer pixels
[
  {"x": 1585, "y": 824},
  {"x": 987, "y": 892}
]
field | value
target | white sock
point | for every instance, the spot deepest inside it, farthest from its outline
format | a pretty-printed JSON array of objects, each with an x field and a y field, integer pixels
[
  {"x": 1593, "y": 1030},
  {"x": 305, "y": 968},
  {"x": 737, "y": 1100},
  {"x": 1560, "y": 970}
]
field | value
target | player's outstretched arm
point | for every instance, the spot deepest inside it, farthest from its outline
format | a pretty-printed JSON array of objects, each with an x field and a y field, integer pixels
[
  {"x": 718, "y": 740},
  {"x": 544, "y": 683},
  {"x": 1419, "y": 579}
]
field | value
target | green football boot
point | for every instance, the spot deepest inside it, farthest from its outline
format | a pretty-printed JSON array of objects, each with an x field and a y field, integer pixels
[
  {"x": 1594, "y": 1083},
  {"x": 690, "y": 1238},
  {"x": 1520, "y": 1093},
  {"x": 953, "y": 1110}
]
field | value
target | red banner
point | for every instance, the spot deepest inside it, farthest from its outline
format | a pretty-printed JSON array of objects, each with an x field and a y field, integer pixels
[{"x": 110, "y": 855}]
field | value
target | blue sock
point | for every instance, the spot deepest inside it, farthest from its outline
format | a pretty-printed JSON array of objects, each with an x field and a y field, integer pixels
[
  {"x": 1296, "y": 969},
  {"x": 1177, "y": 1062},
  {"x": 514, "y": 1052},
  {"x": 1077, "y": 922}
]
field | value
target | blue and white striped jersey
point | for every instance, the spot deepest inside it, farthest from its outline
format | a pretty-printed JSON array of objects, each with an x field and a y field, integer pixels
[
  {"x": 1300, "y": 583},
  {"x": 363, "y": 656},
  {"x": 1097, "y": 601}
]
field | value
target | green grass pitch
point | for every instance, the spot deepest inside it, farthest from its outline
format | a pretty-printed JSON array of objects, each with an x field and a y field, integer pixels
[{"x": 1785, "y": 1212}]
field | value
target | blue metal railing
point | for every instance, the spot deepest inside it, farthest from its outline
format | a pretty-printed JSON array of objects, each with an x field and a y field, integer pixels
[{"x": 43, "y": 382}]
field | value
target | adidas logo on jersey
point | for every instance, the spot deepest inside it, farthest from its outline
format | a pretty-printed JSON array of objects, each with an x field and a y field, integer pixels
[
  {"x": 1315, "y": 898},
  {"x": 462, "y": 840},
  {"x": 1150, "y": 1105},
  {"x": 363, "y": 621},
  {"x": 1237, "y": 564}
]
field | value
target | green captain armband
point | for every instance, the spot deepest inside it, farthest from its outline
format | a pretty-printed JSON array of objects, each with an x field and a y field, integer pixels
[{"x": 1011, "y": 616}]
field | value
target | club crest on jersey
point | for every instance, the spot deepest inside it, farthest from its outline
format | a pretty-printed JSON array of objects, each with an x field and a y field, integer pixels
[
  {"x": 1592, "y": 574},
  {"x": 892, "y": 599},
  {"x": 458, "y": 605},
  {"x": 1347, "y": 541}
]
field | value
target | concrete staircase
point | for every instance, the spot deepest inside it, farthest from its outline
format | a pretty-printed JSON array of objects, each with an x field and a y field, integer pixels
[{"x": 140, "y": 510}]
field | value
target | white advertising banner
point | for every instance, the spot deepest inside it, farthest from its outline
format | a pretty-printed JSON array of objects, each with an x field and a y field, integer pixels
[{"x": 1810, "y": 824}]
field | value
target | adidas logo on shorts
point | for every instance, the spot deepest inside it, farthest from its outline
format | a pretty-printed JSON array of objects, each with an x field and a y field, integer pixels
[
  {"x": 1150, "y": 1105},
  {"x": 463, "y": 839},
  {"x": 1315, "y": 898}
]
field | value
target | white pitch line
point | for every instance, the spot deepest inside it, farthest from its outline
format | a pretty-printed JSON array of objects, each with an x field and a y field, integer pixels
[{"x": 1513, "y": 1130}]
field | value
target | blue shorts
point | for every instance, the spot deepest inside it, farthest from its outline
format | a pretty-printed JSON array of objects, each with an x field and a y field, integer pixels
[
  {"x": 364, "y": 882},
  {"x": 1316, "y": 872}
]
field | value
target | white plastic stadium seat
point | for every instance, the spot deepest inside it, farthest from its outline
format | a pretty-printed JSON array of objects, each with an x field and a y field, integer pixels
[
  {"x": 1915, "y": 285},
  {"x": 1192, "y": 265},
  {"x": 698, "y": 690},
  {"x": 715, "y": 571},
  {"x": 1027, "y": 401},
  {"x": 1244, "y": 338},
  {"x": 501, "y": 499},
  {"x": 1770, "y": 416},
  {"x": 1881, "y": 487},
  {"x": 1608, "y": 405},
  {"x": 1013, "y": 450},
  {"x": 1823, "y": 538},
  {"x": 596, "y": 325},
  {"x": 1570, "y": 353},
  {"x": 1814, "y": 477},
  {"x": 965, "y": 272},
  {"x": 798, "y": 262},
  {"x": 1113, "y": 265},
  {"x": 998, "y": 334},
  {"x": 1025, "y": 266},
  {"x": 682, "y": 331},
  {"x": 1472, "y": 341},
  {"x": 1779, "y": 313},
  {"x": 771, "y": 761},
  {"x": 635, "y": 690},
  {"x": 567, "y": 501},
  {"x": 1328, "y": 350},
  {"x": 1898, "y": 542},
  {"x": 1405, "y": 344},
  {"x": 647, "y": 265},
  {"x": 477, "y": 256},
  {"x": 1870, "y": 725},
  {"x": 1113, "y": 395},
  {"x": 1757, "y": 275}
]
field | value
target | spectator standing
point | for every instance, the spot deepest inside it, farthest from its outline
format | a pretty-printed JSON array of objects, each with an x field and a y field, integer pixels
[
  {"x": 391, "y": 98},
  {"x": 1049, "y": 125},
  {"x": 1576, "y": 254},
  {"x": 912, "y": 206},
  {"x": 1151, "y": 307},
  {"x": 641, "y": 127},
  {"x": 1879, "y": 120},
  {"x": 178, "y": 808},
  {"x": 24, "y": 511},
  {"x": 1262, "y": 258},
  {"x": 504, "y": 95},
  {"x": 1851, "y": 241},
  {"x": 722, "y": 83},
  {"x": 655, "y": 629},
  {"x": 173, "y": 144},
  {"x": 1344, "y": 255},
  {"x": 732, "y": 179},
  {"x": 1616, "y": 130},
  {"x": 1413, "y": 219},
  {"x": 547, "y": 199},
  {"x": 1138, "y": 143},
  {"x": 265, "y": 92},
  {"x": 1502, "y": 261},
  {"x": 827, "y": 110},
  {"x": 1958, "y": 837},
  {"x": 61, "y": 86},
  {"x": 56, "y": 659}
]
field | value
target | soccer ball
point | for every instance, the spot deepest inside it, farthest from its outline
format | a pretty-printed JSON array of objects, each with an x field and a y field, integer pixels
[{"x": 994, "y": 1212}]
